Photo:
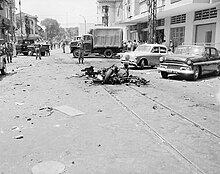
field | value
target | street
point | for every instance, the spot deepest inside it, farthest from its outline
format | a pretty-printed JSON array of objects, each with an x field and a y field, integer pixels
[{"x": 170, "y": 126}]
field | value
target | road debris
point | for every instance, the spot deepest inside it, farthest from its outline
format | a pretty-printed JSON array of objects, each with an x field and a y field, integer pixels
[
  {"x": 68, "y": 110},
  {"x": 47, "y": 109},
  {"x": 48, "y": 167},
  {"x": 19, "y": 137},
  {"x": 113, "y": 75},
  {"x": 19, "y": 104}
]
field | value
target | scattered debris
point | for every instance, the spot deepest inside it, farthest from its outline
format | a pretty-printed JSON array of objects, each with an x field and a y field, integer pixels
[
  {"x": 99, "y": 110},
  {"x": 68, "y": 110},
  {"x": 99, "y": 145},
  {"x": 155, "y": 107},
  {"x": 17, "y": 116},
  {"x": 113, "y": 75},
  {"x": 19, "y": 137},
  {"x": 172, "y": 113},
  {"x": 15, "y": 128},
  {"x": 57, "y": 125},
  {"x": 73, "y": 162},
  {"x": 29, "y": 119},
  {"x": 18, "y": 103},
  {"x": 47, "y": 109},
  {"x": 49, "y": 167}
]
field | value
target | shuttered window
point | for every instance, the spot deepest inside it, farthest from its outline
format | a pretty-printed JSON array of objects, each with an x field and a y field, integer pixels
[
  {"x": 205, "y": 14},
  {"x": 178, "y": 19}
]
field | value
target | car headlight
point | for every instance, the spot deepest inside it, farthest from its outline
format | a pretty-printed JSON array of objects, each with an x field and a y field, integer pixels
[
  {"x": 188, "y": 62},
  {"x": 161, "y": 59}
]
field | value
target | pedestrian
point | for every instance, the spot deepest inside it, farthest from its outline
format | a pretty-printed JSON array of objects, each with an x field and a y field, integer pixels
[
  {"x": 10, "y": 51},
  {"x": 135, "y": 45},
  {"x": 129, "y": 45},
  {"x": 171, "y": 47},
  {"x": 81, "y": 51},
  {"x": 38, "y": 51},
  {"x": 7, "y": 51},
  {"x": 63, "y": 46}
]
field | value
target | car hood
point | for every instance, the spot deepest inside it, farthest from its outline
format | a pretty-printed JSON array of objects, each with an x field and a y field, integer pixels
[
  {"x": 131, "y": 55},
  {"x": 181, "y": 57}
]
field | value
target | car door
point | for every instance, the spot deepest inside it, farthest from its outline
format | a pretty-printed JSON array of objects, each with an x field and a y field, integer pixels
[
  {"x": 153, "y": 58},
  {"x": 213, "y": 60}
]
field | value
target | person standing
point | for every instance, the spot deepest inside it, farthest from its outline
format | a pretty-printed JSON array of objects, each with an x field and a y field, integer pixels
[
  {"x": 38, "y": 51},
  {"x": 63, "y": 46},
  {"x": 81, "y": 51},
  {"x": 10, "y": 51}
]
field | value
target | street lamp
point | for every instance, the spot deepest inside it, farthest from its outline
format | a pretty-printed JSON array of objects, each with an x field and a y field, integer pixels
[
  {"x": 20, "y": 20},
  {"x": 84, "y": 22}
]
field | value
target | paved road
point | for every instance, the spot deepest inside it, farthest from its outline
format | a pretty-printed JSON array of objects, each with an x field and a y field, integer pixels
[{"x": 169, "y": 126}]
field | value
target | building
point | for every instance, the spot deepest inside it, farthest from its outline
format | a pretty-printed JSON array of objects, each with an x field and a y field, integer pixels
[
  {"x": 7, "y": 20},
  {"x": 26, "y": 26},
  {"x": 182, "y": 21}
]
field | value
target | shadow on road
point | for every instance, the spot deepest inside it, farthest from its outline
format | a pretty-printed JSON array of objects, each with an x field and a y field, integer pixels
[
  {"x": 203, "y": 77},
  {"x": 7, "y": 75}
]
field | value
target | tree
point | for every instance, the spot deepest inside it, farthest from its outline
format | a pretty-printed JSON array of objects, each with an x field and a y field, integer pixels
[{"x": 52, "y": 28}]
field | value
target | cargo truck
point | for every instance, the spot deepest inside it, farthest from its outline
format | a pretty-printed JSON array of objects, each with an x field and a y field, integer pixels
[{"x": 106, "y": 41}]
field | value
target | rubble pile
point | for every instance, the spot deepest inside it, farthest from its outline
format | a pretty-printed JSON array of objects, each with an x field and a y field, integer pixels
[{"x": 114, "y": 75}]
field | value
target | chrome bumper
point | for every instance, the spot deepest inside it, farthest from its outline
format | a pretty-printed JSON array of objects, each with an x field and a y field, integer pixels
[{"x": 181, "y": 70}]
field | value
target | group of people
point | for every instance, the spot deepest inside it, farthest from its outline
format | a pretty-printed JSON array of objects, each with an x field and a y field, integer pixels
[
  {"x": 8, "y": 49},
  {"x": 130, "y": 45}
]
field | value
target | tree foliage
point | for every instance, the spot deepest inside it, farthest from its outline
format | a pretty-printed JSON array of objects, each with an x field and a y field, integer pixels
[{"x": 52, "y": 28}]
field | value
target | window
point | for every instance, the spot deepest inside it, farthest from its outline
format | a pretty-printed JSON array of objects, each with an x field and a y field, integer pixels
[
  {"x": 205, "y": 14},
  {"x": 178, "y": 19},
  {"x": 213, "y": 53},
  {"x": 155, "y": 50},
  {"x": 163, "y": 50},
  {"x": 174, "y": 1},
  {"x": 177, "y": 35},
  {"x": 160, "y": 22}
]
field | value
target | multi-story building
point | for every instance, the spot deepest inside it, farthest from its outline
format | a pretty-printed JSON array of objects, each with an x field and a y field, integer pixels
[
  {"x": 182, "y": 21},
  {"x": 7, "y": 20},
  {"x": 26, "y": 26}
]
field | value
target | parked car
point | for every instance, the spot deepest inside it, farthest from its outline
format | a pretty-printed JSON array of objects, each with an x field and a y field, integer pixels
[
  {"x": 22, "y": 46},
  {"x": 190, "y": 61},
  {"x": 2, "y": 62},
  {"x": 44, "y": 48},
  {"x": 144, "y": 55}
]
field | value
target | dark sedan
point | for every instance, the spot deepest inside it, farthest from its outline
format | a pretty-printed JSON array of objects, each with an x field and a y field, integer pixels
[{"x": 190, "y": 61}]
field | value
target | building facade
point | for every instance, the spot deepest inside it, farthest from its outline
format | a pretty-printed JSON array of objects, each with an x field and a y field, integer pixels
[
  {"x": 7, "y": 20},
  {"x": 182, "y": 21},
  {"x": 26, "y": 26}
]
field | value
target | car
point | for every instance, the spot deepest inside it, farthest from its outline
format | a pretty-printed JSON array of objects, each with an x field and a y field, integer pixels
[
  {"x": 2, "y": 62},
  {"x": 190, "y": 61},
  {"x": 144, "y": 55},
  {"x": 44, "y": 48},
  {"x": 22, "y": 46}
]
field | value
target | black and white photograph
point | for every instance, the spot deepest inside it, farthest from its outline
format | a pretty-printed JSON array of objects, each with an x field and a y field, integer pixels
[{"x": 109, "y": 86}]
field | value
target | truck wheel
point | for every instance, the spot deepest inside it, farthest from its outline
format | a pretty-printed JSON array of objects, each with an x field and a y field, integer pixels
[
  {"x": 42, "y": 53},
  {"x": 25, "y": 53},
  {"x": 108, "y": 53},
  {"x": 196, "y": 73},
  {"x": 164, "y": 75},
  {"x": 76, "y": 53}
]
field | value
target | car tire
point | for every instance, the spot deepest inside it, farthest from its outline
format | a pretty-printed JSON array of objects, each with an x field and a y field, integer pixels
[
  {"x": 164, "y": 75},
  {"x": 76, "y": 53},
  {"x": 143, "y": 63},
  {"x": 107, "y": 76},
  {"x": 25, "y": 53},
  {"x": 217, "y": 72},
  {"x": 108, "y": 53},
  {"x": 196, "y": 73}
]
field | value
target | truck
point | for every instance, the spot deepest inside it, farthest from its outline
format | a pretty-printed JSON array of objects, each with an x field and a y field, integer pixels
[{"x": 105, "y": 41}]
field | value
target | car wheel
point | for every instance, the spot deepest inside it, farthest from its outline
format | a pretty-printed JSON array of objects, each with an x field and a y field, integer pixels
[
  {"x": 108, "y": 53},
  {"x": 76, "y": 53},
  {"x": 217, "y": 72},
  {"x": 3, "y": 70},
  {"x": 196, "y": 73},
  {"x": 143, "y": 63},
  {"x": 25, "y": 53},
  {"x": 164, "y": 75}
]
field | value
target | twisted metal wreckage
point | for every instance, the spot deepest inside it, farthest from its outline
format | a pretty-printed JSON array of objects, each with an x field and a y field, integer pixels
[{"x": 114, "y": 75}]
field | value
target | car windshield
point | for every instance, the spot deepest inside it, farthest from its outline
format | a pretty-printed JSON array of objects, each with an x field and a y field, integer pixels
[
  {"x": 145, "y": 48},
  {"x": 192, "y": 50}
]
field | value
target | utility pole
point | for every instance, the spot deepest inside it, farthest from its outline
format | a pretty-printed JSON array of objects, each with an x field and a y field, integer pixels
[
  {"x": 152, "y": 19},
  {"x": 20, "y": 20}
]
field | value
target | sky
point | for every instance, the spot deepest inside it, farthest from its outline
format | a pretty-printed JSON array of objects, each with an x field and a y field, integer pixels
[{"x": 68, "y": 13}]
